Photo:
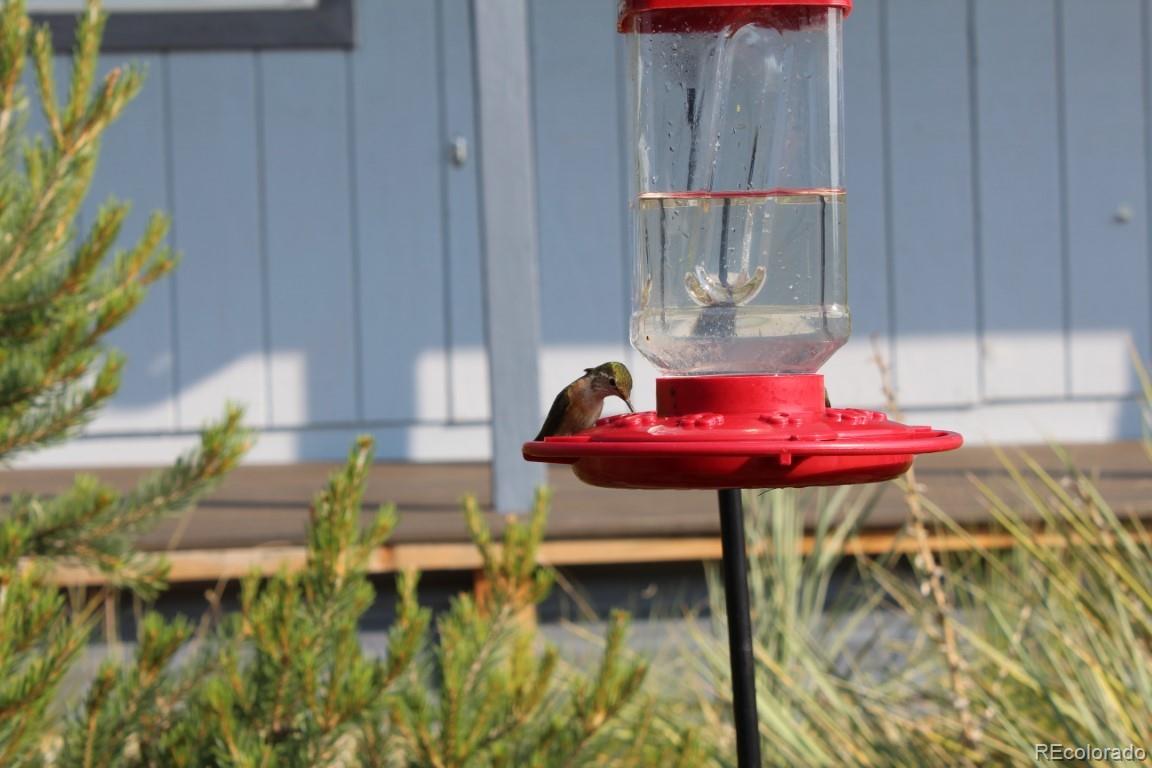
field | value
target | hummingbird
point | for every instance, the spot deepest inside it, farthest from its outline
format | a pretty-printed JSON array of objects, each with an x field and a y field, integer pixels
[{"x": 579, "y": 404}]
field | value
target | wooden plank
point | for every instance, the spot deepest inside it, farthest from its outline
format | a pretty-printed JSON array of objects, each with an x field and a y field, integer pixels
[
  {"x": 394, "y": 442},
  {"x": 1023, "y": 352},
  {"x": 933, "y": 250},
  {"x": 216, "y": 204},
  {"x": 1105, "y": 159},
  {"x": 307, "y": 199},
  {"x": 259, "y": 506},
  {"x": 440, "y": 486},
  {"x": 216, "y": 565},
  {"x": 470, "y": 395},
  {"x": 134, "y": 167},
  {"x": 511, "y": 289},
  {"x": 399, "y": 157},
  {"x": 852, "y": 375}
]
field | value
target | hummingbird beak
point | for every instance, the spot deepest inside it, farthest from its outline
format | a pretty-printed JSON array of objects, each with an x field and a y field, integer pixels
[{"x": 628, "y": 403}]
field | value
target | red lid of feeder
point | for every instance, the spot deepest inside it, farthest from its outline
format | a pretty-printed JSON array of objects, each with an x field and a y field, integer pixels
[
  {"x": 713, "y": 432},
  {"x": 710, "y": 15}
]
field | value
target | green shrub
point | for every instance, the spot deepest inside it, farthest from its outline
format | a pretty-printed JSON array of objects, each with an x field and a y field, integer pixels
[
  {"x": 59, "y": 298},
  {"x": 284, "y": 682}
]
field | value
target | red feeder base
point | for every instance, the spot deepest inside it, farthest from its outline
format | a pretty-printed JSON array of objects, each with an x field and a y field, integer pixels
[{"x": 711, "y": 432}]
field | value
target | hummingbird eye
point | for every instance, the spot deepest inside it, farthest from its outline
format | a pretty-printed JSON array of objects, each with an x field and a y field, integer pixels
[{"x": 612, "y": 381}]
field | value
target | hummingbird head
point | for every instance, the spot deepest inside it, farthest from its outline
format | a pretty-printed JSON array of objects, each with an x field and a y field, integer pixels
[{"x": 612, "y": 379}]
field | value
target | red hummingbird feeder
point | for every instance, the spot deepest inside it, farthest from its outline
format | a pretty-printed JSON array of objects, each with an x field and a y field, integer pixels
[
  {"x": 740, "y": 278},
  {"x": 740, "y": 287}
]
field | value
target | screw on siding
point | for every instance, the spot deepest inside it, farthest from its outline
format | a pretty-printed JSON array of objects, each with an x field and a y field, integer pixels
[{"x": 458, "y": 151}]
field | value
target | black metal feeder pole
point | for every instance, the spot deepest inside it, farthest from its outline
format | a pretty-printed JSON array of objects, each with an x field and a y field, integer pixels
[{"x": 735, "y": 566}]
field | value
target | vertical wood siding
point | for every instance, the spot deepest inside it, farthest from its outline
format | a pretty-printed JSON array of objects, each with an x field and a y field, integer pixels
[
  {"x": 583, "y": 205},
  {"x": 930, "y": 176},
  {"x": 468, "y": 375},
  {"x": 998, "y": 168},
  {"x": 221, "y": 333},
  {"x": 135, "y": 166},
  {"x": 1104, "y": 152},
  {"x": 312, "y": 297},
  {"x": 850, "y": 373},
  {"x": 1019, "y": 189},
  {"x": 398, "y": 159}
]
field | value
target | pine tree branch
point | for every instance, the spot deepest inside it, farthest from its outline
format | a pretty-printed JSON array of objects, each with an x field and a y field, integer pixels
[
  {"x": 15, "y": 27},
  {"x": 27, "y": 311},
  {"x": 38, "y": 643},
  {"x": 72, "y": 164},
  {"x": 122, "y": 698},
  {"x": 46, "y": 83},
  {"x": 85, "y": 56},
  {"x": 57, "y": 415},
  {"x": 92, "y": 524},
  {"x": 57, "y": 304}
]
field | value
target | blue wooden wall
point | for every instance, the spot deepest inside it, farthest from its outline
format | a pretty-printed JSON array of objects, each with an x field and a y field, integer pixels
[{"x": 998, "y": 175}]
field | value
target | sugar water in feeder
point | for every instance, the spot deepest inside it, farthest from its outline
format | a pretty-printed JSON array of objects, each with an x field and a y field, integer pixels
[{"x": 740, "y": 262}]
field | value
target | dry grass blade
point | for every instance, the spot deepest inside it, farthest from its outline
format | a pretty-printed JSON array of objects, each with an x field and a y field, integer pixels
[{"x": 973, "y": 656}]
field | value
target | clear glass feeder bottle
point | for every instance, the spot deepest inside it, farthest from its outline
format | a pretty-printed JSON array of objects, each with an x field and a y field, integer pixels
[
  {"x": 740, "y": 262},
  {"x": 740, "y": 292}
]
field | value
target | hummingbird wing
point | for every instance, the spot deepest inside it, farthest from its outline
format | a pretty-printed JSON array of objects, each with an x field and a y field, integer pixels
[{"x": 555, "y": 415}]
